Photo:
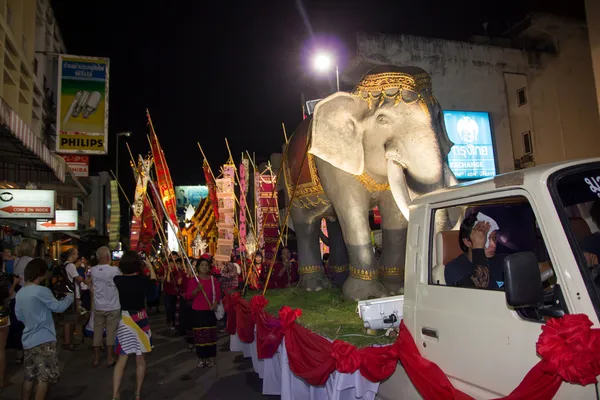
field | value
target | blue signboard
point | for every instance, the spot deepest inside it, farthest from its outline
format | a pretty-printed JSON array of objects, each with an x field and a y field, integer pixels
[
  {"x": 472, "y": 156},
  {"x": 187, "y": 195}
]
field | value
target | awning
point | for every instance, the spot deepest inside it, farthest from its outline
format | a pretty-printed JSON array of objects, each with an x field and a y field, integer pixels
[{"x": 19, "y": 130}]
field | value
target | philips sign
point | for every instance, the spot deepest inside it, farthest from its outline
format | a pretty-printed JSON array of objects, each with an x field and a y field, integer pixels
[{"x": 472, "y": 156}]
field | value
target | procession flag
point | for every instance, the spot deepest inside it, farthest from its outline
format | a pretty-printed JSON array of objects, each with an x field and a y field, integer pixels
[
  {"x": 243, "y": 203},
  {"x": 115, "y": 216},
  {"x": 165, "y": 184}
]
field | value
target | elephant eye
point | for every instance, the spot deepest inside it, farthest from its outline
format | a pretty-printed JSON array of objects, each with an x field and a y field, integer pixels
[{"x": 382, "y": 119}]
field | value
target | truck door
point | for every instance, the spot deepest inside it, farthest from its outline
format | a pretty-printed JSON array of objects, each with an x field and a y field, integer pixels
[{"x": 465, "y": 326}]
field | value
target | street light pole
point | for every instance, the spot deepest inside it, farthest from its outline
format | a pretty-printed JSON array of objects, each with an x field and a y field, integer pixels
[{"x": 126, "y": 134}]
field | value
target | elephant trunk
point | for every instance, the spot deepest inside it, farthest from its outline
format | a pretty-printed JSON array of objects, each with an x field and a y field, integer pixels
[{"x": 399, "y": 186}]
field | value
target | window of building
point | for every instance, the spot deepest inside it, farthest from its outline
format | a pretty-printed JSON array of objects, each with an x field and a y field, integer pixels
[
  {"x": 521, "y": 97},
  {"x": 527, "y": 145},
  {"x": 9, "y": 16}
]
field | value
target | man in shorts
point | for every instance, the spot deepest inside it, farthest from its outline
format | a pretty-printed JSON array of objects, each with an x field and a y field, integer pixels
[{"x": 35, "y": 304}]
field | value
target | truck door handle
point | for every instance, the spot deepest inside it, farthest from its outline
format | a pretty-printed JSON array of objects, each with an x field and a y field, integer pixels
[{"x": 429, "y": 332}]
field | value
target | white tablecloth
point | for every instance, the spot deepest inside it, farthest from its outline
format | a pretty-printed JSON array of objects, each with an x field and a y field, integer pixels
[{"x": 278, "y": 379}]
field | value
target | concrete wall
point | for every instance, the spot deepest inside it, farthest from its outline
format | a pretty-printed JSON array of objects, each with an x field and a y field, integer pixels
[{"x": 468, "y": 76}]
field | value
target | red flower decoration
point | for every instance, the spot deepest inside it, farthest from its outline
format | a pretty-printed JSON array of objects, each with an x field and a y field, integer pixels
[
  {"x": 258, "y": 303},
  {"x": 571, "y": 349},
  {"x": 288, "y": 316},
  {"x": 347, "y": 358}
]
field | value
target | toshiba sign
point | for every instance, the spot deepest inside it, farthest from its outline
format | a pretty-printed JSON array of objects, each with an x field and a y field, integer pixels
[{"x": 80, "y": 165}]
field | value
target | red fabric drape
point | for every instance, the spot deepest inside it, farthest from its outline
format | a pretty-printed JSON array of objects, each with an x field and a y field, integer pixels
[{"x": 568, "y": 347}]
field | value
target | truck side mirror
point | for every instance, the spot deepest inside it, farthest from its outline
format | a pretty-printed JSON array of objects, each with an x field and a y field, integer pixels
[{"x": 522, "y": 281}]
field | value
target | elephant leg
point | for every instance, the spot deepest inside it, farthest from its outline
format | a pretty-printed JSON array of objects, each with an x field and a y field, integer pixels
[
  {"x": 310, "y": 264},
  {"x": 338, "y": 256},
  {"x": 394, "y": 227}
]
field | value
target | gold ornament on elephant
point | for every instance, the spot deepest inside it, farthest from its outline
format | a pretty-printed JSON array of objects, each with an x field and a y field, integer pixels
[
  {"x": 338, "y": 269},
  {"x": 309, "y": 269},
  {"x": 363, "y": 274},
  {"x": 392, "y": 271},
  {"x": 371, "y": 184},
  {"x": 375, "y": 87}
]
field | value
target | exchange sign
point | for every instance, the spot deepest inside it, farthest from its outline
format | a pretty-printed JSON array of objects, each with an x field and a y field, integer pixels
[{"x": 472, "y": 156}]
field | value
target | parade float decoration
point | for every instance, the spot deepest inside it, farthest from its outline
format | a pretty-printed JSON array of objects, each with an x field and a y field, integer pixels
[{"x": 307, "y": 365}]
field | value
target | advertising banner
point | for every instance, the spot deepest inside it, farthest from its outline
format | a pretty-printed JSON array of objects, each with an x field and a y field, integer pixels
[
  {"x": 472, "y": 156},
  {"x": 65, "y": 220},
  {"x": 19, "y": 203},
  {"x": 80, "y": 165},
  {"x": 82, "y": 106},
  {"x": 189, "y": 195}
]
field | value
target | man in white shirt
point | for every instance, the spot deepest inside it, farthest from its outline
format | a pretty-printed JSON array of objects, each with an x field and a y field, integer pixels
[
  {"x": 71, "y": 317},
  {"x": 107, "y": 309}
]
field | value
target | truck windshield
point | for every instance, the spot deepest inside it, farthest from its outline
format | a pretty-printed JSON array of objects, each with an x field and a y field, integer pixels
[{"x": 576, "y": 193}]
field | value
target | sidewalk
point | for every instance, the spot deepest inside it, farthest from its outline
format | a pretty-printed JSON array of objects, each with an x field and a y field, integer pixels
[{"x": 171, "y": 373}]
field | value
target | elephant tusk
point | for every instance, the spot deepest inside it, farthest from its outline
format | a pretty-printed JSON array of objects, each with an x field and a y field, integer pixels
[{"x": 397, "y": 180}]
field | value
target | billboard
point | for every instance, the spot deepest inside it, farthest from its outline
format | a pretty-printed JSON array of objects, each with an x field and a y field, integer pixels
[
  {"x": 187, "y": 195},
  {"x": 80, "y": 165},
  {"x": 82, "y": 106},
  {"x": 65, "y": 220},
  {"x": 472, "y": 156},
  {"x": 20, "y": 203}
]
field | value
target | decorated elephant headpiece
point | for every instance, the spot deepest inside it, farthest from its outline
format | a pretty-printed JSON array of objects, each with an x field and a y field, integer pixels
[{"x": 400, "y": 84}]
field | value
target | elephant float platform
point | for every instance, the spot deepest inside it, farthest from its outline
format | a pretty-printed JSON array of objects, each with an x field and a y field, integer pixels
[{"x": 536, "y": 335}]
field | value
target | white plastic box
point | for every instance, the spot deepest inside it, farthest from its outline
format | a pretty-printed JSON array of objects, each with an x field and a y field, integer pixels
[{"x": 383, "y": 313}]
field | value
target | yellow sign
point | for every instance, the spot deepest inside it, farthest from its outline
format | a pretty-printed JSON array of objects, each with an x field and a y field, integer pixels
[
  {"x": 81, "y": 143},
  {"x": 82, "y": 105}
]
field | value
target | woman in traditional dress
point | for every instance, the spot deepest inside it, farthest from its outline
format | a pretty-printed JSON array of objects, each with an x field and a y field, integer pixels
[
  {"x": 285, "y": 271},
  {"x": 205, "y": 294},
  {"x": 133, "y": 333},
  {"x": 256, "y": 272}
]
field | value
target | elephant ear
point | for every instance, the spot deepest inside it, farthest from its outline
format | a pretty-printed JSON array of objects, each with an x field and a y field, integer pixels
[
  {"x": 336, "y": 136},
  {"x": 445, "y": 142}
]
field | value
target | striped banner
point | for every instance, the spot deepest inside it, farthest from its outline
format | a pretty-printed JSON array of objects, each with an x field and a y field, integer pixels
[
  {"x": 243, "y": 204},
  {"x": 268, "y": 214},
  {"x": 226, "y": 203},
  {"x": 114, "y": 227}
]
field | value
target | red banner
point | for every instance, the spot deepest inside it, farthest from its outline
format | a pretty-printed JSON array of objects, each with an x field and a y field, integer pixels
[
  {"x": 148, "y": 231},
  {"x": 268, "y": 214},
  {"x": 165, "y": 184},
  {"x": 160, "y": 215},
  {"x": 212, "y": 191}
]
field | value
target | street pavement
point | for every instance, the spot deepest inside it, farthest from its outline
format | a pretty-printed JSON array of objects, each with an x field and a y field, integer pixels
[{"x": 171, "y": 373}]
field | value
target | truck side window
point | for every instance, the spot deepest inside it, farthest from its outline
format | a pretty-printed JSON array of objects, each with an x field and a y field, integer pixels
[{"x": 462, "y": 257}]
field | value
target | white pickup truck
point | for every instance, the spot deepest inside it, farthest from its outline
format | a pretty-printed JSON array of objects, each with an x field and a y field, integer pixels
[{"x": 485, "y": 340}]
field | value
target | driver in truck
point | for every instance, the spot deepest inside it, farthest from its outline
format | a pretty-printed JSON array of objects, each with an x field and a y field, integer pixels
[{"x": 479, "y": 266}]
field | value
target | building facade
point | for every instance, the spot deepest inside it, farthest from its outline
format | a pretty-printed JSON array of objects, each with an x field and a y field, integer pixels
[
  {"x": 537, "y": 84},
  {"x": 31, "y": 42}
]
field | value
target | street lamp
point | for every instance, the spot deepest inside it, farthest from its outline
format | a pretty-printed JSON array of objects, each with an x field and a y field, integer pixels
[
  {"x": 126, "y": 134},
  {"x": 323, "y": 62}
]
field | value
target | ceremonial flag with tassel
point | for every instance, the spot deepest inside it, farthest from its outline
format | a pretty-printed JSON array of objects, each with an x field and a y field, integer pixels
[
  {"x": 163, "y": 176},
  {"x": 268, "y": 214},
  {"x": 160, "y": 215}
]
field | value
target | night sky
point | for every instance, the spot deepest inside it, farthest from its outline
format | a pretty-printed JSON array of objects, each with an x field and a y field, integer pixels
[{"x": 209, "y": 70}]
